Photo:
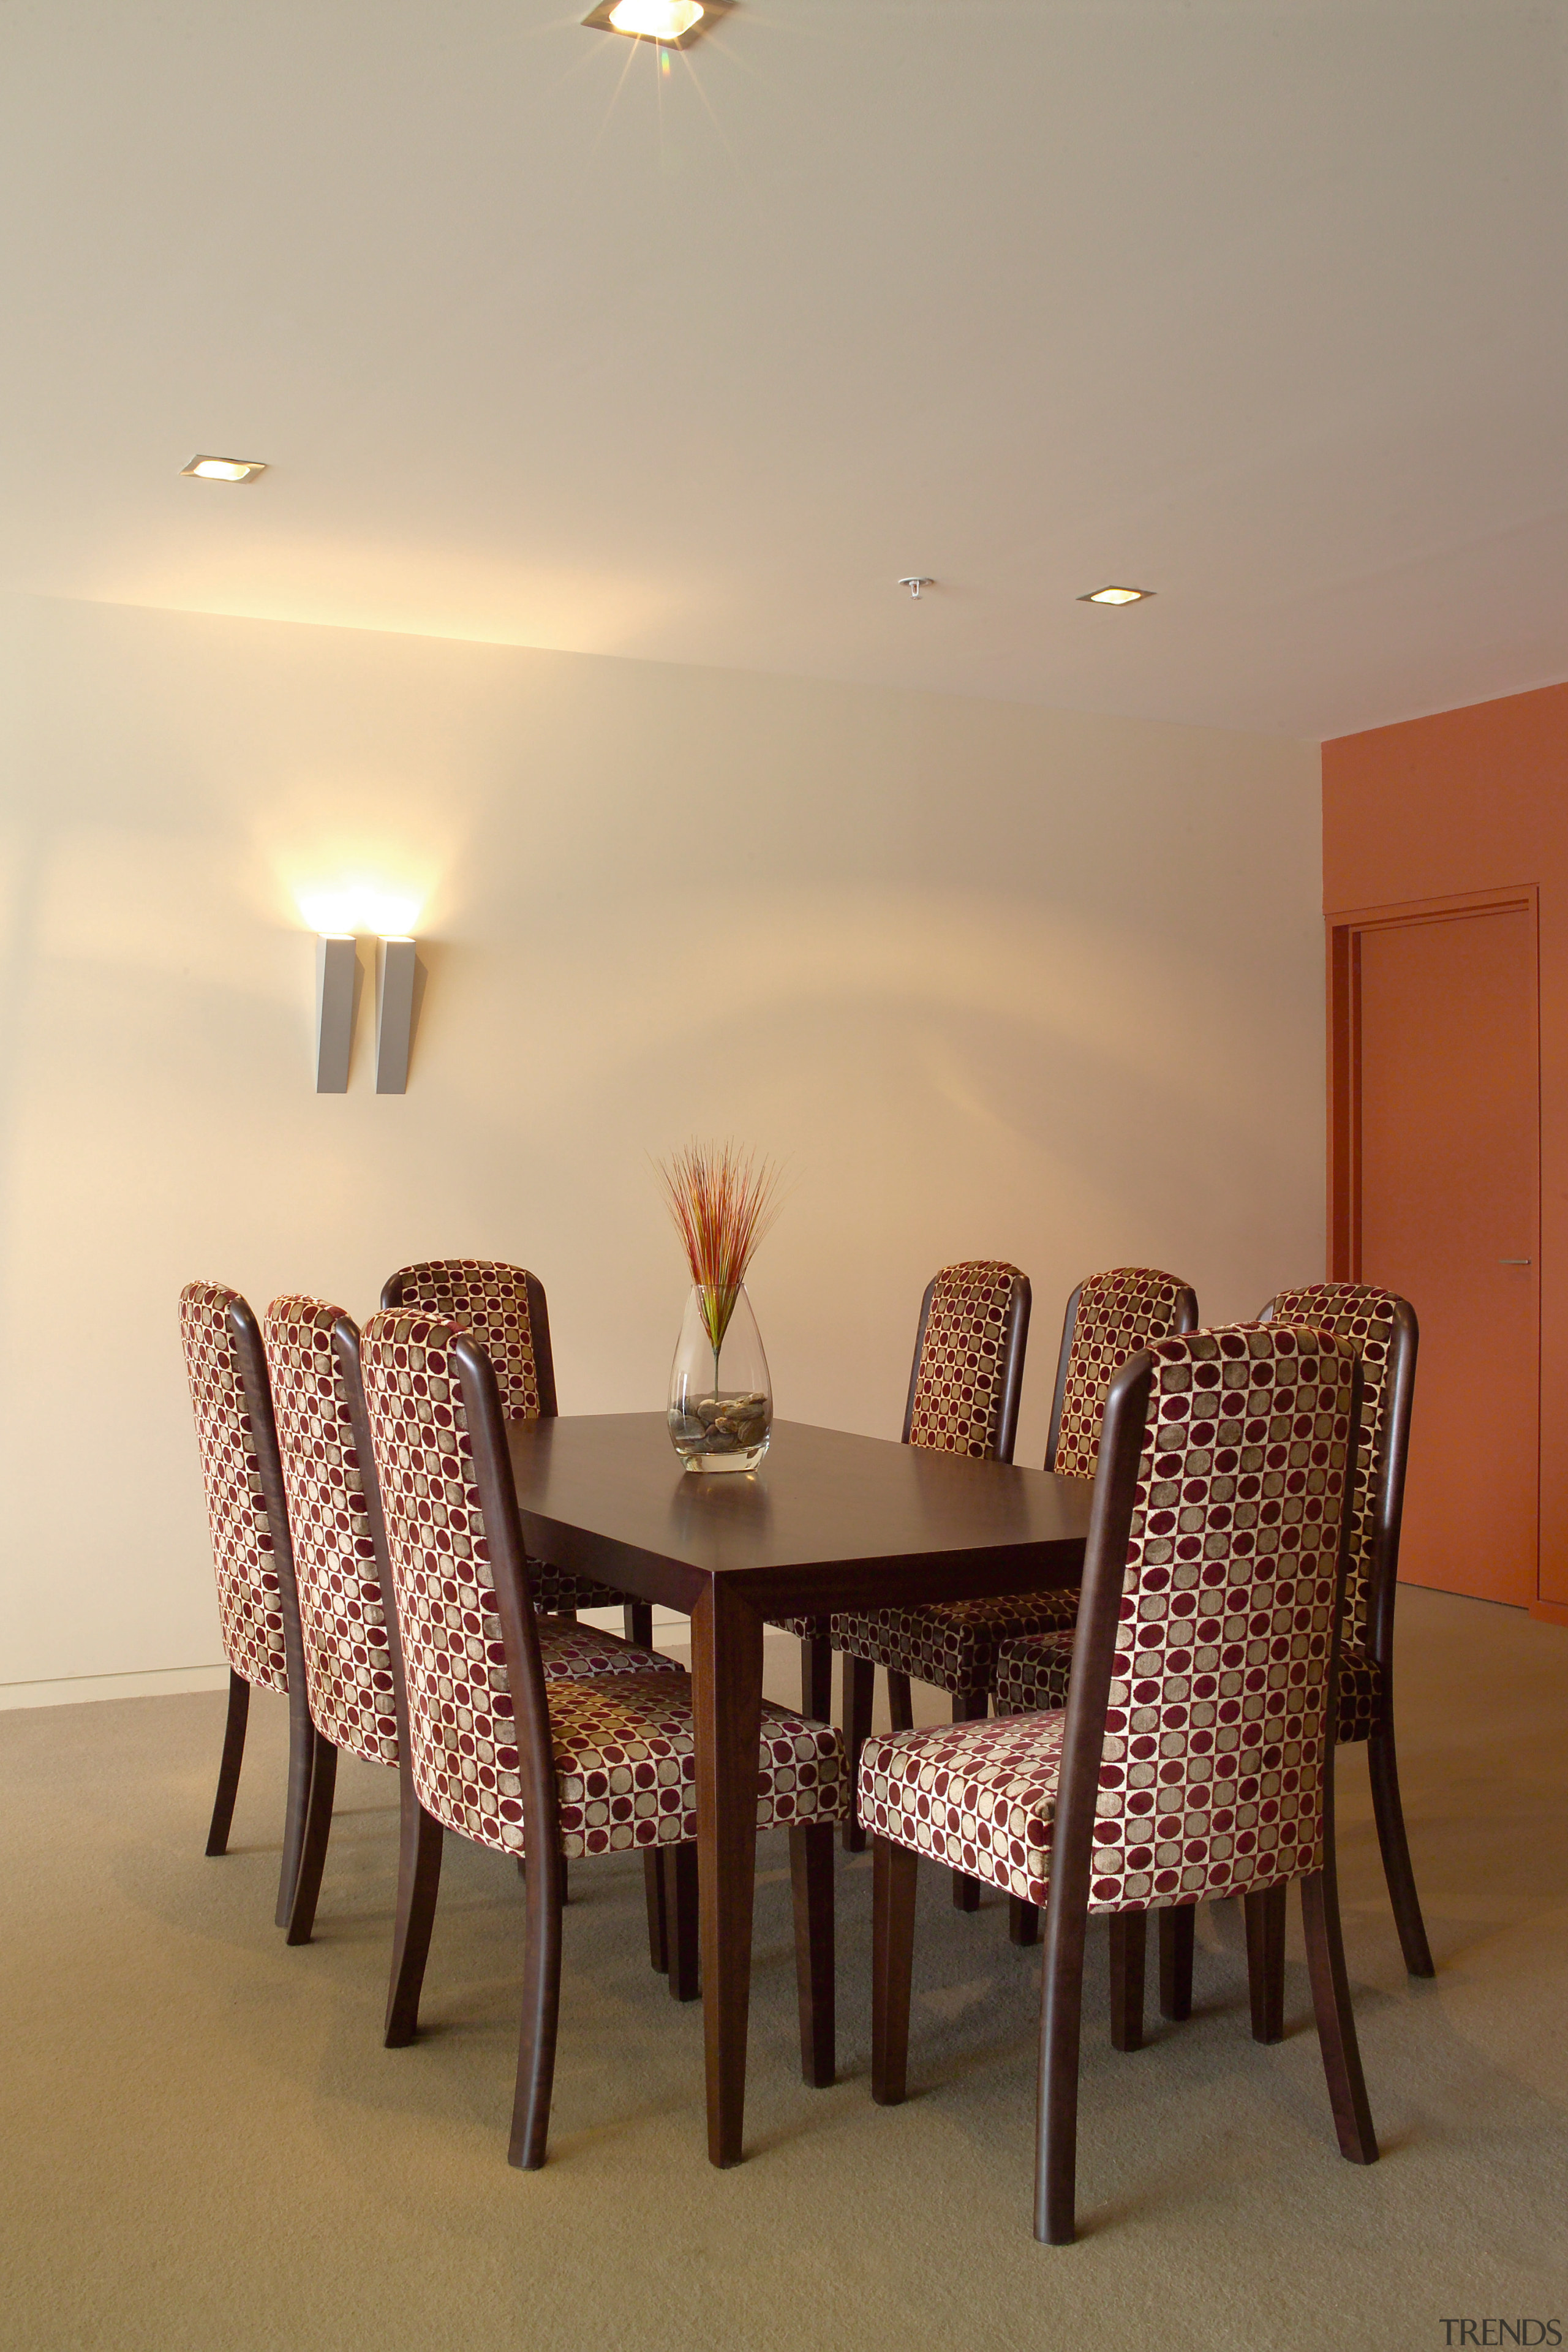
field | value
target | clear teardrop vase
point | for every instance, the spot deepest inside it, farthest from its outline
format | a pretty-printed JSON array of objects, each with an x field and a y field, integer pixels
[{"x": 721, "y": 1399}]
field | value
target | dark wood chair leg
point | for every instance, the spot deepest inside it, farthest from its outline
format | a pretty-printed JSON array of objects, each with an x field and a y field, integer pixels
[
  {"x": 1061, "y": 2023},
  {"x": 859, "y": 1688},
  {"x": 1023, "y": 1920},
  {"x": 892, "y": 1967},
  {"x": 968, "y": 1706},
  {"x": 418, "y": 1883},
  {"x": 541, "y": 2007},
  {"x": 301, "y": 1756},
  {"x": 1129, "y": 1943},
  {"x": 811, "y": 1883},
  {"x": 233, "y": 1757},
  {"x": 313, "y": 1851},
  {"x": 1265, "y": 1915},
  {"x": 685, "y": 1931},
  {"x": 1176, "y": 1926},
  {"x": 816, "y": 1679},
  {"x": 636, "y": 1616},
  {"x": 1336, "y": 2018},
  {"x": 900, "y": 1704},
  {"x": 1389, "y": 1814},
  {"x": 657, "y": 1909}
]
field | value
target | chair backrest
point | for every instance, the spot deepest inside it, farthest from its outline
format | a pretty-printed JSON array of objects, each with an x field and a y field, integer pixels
[
  {"x": 462, "y": 1662},
  {"x": 1194, "y": 1756},
  {"x": 246, "y": 1511},
  {"x": 968, "y": 1369},
  {"x": 503, "y": 1307},
  {"x": 1382, "y": 1328},
  {"x": 349, "y": 1666},
  {"x": 1110, "y": 1316}
]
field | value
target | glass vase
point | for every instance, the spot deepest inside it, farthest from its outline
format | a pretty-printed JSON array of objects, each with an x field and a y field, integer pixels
[{"x": 721, "y": 1400}]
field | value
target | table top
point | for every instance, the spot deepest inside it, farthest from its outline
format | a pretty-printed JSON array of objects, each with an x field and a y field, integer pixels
[{"x": 828, "y": 1519}]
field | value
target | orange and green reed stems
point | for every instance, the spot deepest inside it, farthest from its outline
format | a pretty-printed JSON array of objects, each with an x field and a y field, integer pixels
[{"x": 723, "y": 1204}]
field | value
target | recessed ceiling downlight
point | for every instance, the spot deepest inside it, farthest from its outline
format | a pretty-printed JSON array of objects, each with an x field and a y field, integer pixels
[
  {"x": 674, "y": 23},
  {"x": 225, "y": 469},
  {"x": 1117, "y": 597}
]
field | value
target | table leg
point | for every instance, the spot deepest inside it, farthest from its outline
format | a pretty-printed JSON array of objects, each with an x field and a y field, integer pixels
[{"x": 727, "y": 1695}]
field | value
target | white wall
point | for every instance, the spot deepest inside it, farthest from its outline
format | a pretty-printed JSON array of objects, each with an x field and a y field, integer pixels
[{"x": 995, "y": 981}]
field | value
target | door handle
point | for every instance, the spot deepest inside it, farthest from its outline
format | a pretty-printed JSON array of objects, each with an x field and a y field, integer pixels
[{"x": 1514, "y": 1261}]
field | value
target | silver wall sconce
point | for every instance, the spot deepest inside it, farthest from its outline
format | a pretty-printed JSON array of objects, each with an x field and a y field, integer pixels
[
  {"x": 396, "y": 966},
  {"x": 337, "y": 985}
]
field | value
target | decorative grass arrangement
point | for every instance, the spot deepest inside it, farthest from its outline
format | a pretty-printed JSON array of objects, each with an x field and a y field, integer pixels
[{"x": 723, "y": 1204}]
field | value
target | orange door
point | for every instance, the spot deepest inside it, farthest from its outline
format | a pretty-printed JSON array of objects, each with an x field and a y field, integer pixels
[{"x": 1451, "y": 1157}]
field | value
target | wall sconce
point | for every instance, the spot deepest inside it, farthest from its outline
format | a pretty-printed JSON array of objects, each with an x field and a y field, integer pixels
[
  {"x": 395, "y": 968},
  {"x": 337, "y": 986}
]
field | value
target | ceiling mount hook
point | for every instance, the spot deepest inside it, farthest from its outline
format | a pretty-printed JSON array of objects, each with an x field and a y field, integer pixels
[{"x": 915, "y": 581}]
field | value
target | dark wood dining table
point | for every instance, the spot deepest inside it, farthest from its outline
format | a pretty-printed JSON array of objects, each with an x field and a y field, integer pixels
[{"x": 829, "y": 1520}]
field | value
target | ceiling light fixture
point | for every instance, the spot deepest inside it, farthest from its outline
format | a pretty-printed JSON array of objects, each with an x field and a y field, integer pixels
[
  {"x": 1117, "y": 597},
  {"x": 225, "y": 469},
  {"x": 673, "y": 24},
  {"x": 915, "y": 581}
]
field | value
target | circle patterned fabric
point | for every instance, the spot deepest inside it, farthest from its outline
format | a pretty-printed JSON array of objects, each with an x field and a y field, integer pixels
[
  {"x": 348, "y": 1664},
  {"x": 1211, "y": 1765},
  {"x": 625, "y": 1746},
  {"x": 490, "y": 1299},
  {"x": 958, "y": 1387},
  {"x": 249, "y": 1599},
  {"x": 1365, "y": 1317},
  {"x": 1118, "y": 1313}
]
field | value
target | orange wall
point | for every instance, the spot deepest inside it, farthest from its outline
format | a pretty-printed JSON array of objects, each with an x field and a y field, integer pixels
[{"x": 1478, "y": 800}]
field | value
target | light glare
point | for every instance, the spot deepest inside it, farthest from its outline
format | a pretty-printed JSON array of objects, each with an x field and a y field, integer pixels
[
  {"x": 1116, "y": 596},
  {"x": 225, "y": 469},
  {"x": 358, "y": 906},
  {"x": 655, "y": 20}
]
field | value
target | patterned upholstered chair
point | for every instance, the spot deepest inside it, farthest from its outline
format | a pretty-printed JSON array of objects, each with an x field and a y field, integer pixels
[
  {"x": 257, "y": 1606},
  {"x": 1194, "y": 1755},
  {"x": 964, "y": 1384},
  {"x": 538, "y": 1770},
  {"x": 352, "y": 1657},
  {"x": 1382, "y": 1329},
  {"x": 504, "y": 1305}
]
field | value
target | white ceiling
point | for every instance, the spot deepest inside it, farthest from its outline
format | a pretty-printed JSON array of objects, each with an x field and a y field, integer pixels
[{"x": 1259, "y": 303}]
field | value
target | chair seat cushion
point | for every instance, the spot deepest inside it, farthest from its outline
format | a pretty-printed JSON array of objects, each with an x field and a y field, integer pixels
[
  {"x": 1033, "y": 1674},
  {"x": 808, "y": 1629},
  {"x": 952, "y": 1644},
  {"x": 626, "y": 1768},
  {"x": 980, "y": 1797},
  {"x": 572, "y": 1650}
]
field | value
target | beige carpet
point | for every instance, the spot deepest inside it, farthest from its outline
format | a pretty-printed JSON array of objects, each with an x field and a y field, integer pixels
[{"x": 205, "y": 2145}]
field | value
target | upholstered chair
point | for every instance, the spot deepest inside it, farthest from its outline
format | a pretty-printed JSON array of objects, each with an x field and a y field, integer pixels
[
  {"x": 1382, "y": 1329},
  {"x": 544, "y": 1771},
  {"x": 352, "y": 1657},
  {"x": 257, "y": 1605},
  {"x": 964, "y": 1385},
  {"x": 1193, "y": 1757},
  {"x": 504, "y": 1307}
]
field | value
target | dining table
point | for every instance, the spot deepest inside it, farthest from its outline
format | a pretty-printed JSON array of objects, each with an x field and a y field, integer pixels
[{"x": 829, "y": 1520}]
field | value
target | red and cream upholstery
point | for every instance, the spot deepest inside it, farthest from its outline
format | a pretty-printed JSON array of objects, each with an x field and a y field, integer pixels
[
  {"x": 1211, "y": 1765},
  {"x": 1366, "y": 1318},
  {"x": 1193, "y": 1757},
  {"x": 624, "y": 1744},
  {"x": 348, "y": 1663},
  {"x": 1032, "y": 1673},
  {"x": 245, "y": 1553},
  {"x": 960, "y": 1384},
  {"x": 955, "y": 1644},
  {"x": 1117, "y": 1314},
  {"x": 503, "y": 1307},
  {"x": 343, "y": 1620}
]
